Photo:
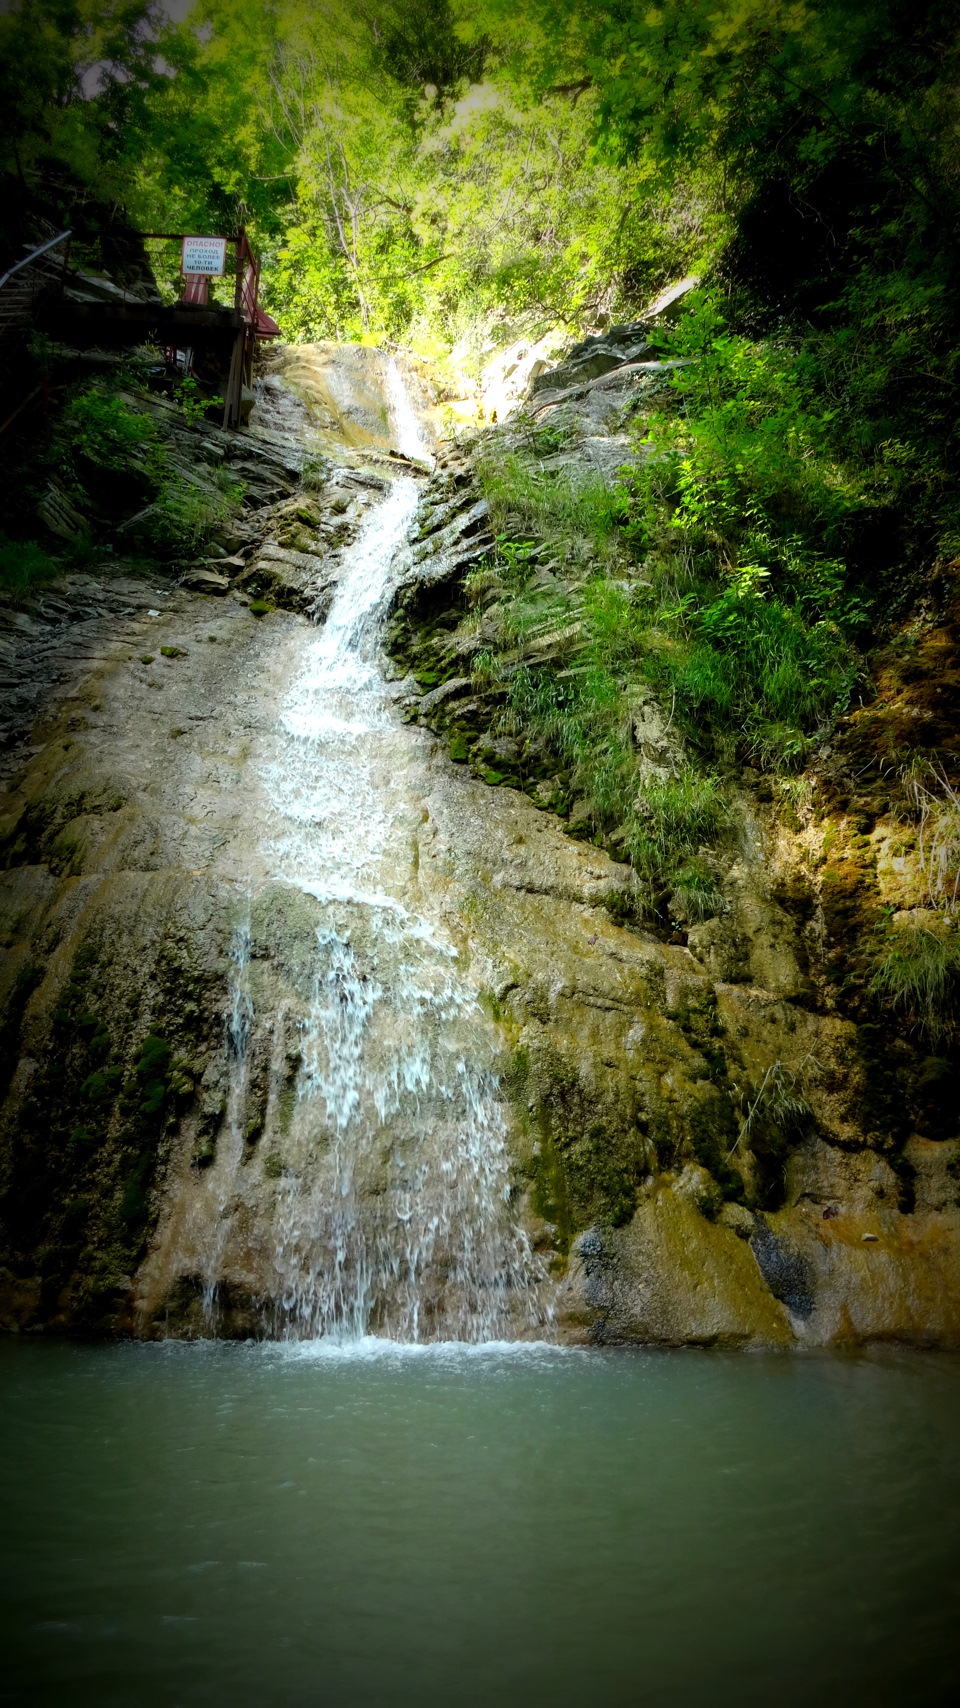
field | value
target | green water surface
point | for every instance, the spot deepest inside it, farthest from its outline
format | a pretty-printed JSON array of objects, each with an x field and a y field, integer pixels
[{"x": 247, "y": 1525}]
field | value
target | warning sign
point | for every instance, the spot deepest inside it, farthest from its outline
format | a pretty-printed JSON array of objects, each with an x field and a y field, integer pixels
[{"x": 203, "y": 255}]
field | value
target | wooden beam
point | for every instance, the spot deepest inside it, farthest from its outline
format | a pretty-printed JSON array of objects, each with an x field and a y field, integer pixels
[{"x": 234, "y": 392}]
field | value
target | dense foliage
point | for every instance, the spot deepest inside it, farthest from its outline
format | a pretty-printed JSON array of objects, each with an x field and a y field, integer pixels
[
  {"x": 411, "y": 169},
  {"x": 446, "y": 172},
  {"x": 398, "y": 181}
]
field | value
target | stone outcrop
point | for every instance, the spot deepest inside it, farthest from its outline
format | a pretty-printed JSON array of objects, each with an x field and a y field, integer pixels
[
  {"x": 710, "y": 1142},
  {"x": 771, "y": 1159}
]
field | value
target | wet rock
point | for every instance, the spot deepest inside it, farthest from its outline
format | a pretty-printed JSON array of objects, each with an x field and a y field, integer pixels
[
  {"x": 788, "y": 1274},
  {"x": 697, "y": 1186},
  {"x": 738, "y": 1219},
  {"x": 593, "y": 357},
  {"x": 446, "y": 690},
  {"x": 299, "y": 581},
  {"x": 205, "y": 581},
  {"x": 630, "y": 1065},
  {"x": 669, "y": 304},
  {"x": 58, "y": 512}
]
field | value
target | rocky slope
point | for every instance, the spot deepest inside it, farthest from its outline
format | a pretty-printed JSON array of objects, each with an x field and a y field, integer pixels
[
  {"x": 762, "y": 1092},
  {"x": 708, "y": 1143}
]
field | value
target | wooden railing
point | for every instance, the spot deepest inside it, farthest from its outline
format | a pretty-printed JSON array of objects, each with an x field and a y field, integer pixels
[{"x": 22, "y": 287}]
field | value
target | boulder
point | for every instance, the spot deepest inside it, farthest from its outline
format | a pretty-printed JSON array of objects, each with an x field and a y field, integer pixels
[
  {"x": 58, "y": 512},
  {"x": 206, "y": 581}
]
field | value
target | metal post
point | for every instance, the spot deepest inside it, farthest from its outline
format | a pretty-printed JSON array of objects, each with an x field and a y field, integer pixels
[{"x": 241, "y": 247}]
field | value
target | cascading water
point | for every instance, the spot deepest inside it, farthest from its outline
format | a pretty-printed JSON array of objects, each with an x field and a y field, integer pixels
[
  {"x": 406, "y": 427},
  {"x": 238, "y": 1021},
  {"x": 392, "y": 1212}
]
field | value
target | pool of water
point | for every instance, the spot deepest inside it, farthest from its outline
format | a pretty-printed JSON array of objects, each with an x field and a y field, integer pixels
[{"x": 267, "y": 1525}]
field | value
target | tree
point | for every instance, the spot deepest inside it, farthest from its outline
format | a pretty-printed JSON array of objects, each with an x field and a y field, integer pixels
[{"x": 74, "y": 79}]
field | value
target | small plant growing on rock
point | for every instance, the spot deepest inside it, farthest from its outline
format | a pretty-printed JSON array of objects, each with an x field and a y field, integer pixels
[
  {"x": 151, "y": 1071},
  {"x": 622, "y": 905},
  {"x": 918, "y": 973},
  {"x": 23, "y": 566},
  {"x": 939, "y": 837},
  {"x": 102, "y": 429},
  {"x": 191, "y": 401},
  {"x": 696, "y": 893}
]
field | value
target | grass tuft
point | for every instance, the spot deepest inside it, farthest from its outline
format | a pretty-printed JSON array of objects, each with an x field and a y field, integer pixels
[
  {"x": 24, "y": 566},
  {"x": 918, "y": 973}
]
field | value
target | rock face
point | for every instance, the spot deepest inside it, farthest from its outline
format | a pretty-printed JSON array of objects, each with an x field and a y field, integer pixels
[
  {"x": 700, "y": 1145},
  {"x": 747, "y": 1153},
  {"x": 628, "y": 1071}
]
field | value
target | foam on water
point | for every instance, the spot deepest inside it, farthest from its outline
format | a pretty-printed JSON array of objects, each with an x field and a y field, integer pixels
[{"x": 374, "y": 1349}]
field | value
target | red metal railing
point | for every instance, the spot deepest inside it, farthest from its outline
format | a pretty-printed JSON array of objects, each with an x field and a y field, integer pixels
[
  {"x": 246, "y": 291},
  {"x": 255, "y": 324}
]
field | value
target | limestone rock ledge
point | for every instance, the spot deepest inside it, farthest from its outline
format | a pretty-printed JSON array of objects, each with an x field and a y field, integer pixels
[
  {"x": 707, "y": 1148},
  {"x": 629, "y": 1069},
  {"x": 630, "y": 1073}
]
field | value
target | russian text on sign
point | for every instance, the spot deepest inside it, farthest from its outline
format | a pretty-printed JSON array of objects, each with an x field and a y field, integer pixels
[{"x": 203, "y": 255}]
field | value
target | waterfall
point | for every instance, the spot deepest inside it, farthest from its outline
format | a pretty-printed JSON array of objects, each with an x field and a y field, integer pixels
[
  {"x": 237, "y": 1024},
  {"x": 407, "y": 431},
  {"x": 393, "y": 1212},
  {"x": 356, "y": 1179}
]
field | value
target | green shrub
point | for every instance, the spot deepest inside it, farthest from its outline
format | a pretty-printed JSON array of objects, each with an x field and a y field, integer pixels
[
  {"x": 101, "y": 428},
  {"x": 24, "y": 566},
  {"x": 192, "y": 402},
  {"x": 742, "y": 511},
  {"x": 102, "y": 433},
  {"x": 713, "y": 573},
  {"x": 918, "y": 973},
  {"x": 152, "y": 1071}
]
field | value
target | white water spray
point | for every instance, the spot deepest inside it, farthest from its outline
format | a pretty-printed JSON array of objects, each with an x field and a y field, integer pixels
[
  {"x": 407, "y": 431},
  {"x": 393, "y": 1212},
  {"x": 361, "y": 1181}
]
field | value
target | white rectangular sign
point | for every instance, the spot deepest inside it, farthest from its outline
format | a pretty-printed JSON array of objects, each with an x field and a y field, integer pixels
[{"x": 203, "y": 255}]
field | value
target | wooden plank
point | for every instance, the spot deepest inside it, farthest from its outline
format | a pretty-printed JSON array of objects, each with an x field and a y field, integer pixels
[{"x": 234, "y": 391}]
